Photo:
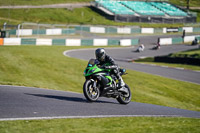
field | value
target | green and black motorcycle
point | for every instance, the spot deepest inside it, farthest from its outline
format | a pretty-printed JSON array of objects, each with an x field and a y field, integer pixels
[{"x": 102, "y": 83}]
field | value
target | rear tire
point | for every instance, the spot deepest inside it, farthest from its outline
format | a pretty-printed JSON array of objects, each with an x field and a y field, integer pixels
[
  {"x": 90, "y": 93},
  {"x": 125, "y": 98}
]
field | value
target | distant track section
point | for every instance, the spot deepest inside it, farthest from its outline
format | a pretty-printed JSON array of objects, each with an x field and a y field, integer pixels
[{"x": 64, "y": 5}]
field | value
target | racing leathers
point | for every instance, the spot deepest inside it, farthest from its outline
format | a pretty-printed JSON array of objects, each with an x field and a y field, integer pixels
[{"x": 110, "y": 64}]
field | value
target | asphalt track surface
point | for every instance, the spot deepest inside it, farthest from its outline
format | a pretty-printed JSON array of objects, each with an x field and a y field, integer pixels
[
  {"x": 123, "y": 55},
  {"x": 62, "y": 5},
  {"x": 26, "y": 103}
]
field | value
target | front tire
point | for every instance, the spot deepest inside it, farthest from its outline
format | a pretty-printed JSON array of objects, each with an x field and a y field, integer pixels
[
  {"x": 90, "y": 92},
  {"x": 125, "y": 98}
]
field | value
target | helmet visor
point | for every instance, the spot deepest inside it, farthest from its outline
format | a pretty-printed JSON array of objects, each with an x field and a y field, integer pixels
[{"x": 100, "y": 56}]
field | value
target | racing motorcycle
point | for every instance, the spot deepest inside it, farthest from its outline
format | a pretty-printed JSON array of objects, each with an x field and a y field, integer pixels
[{"x": 100, "y": 82}]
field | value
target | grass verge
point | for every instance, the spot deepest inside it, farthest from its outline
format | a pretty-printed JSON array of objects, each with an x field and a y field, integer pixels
[
  {"x": 195, "y": 53},
  {"x": 64, "y": 16},
  {"x": 101, "y": 125},
  {"x": 47, "y": 67},
  {"x": 38, "y": 2},
  {"x": 193, "y": 3}
]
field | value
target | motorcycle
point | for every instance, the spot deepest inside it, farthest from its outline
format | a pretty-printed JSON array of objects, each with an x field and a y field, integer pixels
[
  {"x": 101, "y": 83},
  {"x": 140, "y": 48},
  {"x": 156, "y": 47}
]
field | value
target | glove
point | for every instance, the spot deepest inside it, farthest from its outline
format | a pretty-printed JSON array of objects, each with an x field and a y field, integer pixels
[
  {"x": 107, "y": 67},
  {"x": 102, "y": 67}
]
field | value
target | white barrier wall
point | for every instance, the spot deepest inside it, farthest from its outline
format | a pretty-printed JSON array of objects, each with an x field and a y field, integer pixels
[
  {"x": 100, "y": 42},
  {"x": 165, "y": 41},
  {"x": 44, "y": 42},
  {"x": 125, "y": 42},
  {"x": 97, "y": 30},
  {"x": 148, "y": 30},
  {"x": 124, "y": 30},
  {"x": 164, "y": 30},
  {"x": 189, "y": 38},
  {"x": 73, "y": 42},
  {"x": 24, "y": 32},
  {"x": 12, "y": 41},
  {"x": 188, "y": 29},
  {"x": 54, "y": 32},
  {"x": 66, "y": 42}
]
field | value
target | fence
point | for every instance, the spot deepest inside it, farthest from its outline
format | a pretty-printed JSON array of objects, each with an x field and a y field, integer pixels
[
  {"x": 85, "y": 31},
  {"x": 154, "y": 19}
]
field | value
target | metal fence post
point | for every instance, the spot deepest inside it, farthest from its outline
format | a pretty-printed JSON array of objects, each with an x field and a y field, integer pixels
[
  {"x": 18, "y": 28},
  {"x": 4, "y": 26}
]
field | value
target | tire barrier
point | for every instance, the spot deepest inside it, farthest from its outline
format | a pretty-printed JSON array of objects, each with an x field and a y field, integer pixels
[{"x": 179, "y": 60}]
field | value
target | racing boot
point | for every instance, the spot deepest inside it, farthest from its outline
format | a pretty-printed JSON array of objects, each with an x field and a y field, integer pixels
[
  {"x": 122, "y": 86},
  {"x": 108, "y": 89}
]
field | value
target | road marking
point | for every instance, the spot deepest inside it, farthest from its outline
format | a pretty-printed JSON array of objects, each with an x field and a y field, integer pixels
[
  {"x": 142, "y": 57},
  {"x": 81, "y": 117},
  {"x": 153, "y": 64},
  {"x": 180, "y": 68},
  {"x": 165, "y": 66},
  {"x": 40, "y": 88}
]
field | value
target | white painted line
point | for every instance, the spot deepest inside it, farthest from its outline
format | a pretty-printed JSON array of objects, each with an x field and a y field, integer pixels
[
  {"x": 41, "y": 89},
  {"x": 143, "y": 63},
  {"x": 142, "y": 57},
  {"x": 165, "y": 66},
  {"x": 180, "y": 68},
  {"x": 75, "y": 117},
  {"x": 153, "y": 64}
]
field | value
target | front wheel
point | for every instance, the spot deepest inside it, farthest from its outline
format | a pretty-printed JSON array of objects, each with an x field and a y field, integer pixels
[
  {"x": 90, "y": 92},
  {"x": 125, "y": 98}
]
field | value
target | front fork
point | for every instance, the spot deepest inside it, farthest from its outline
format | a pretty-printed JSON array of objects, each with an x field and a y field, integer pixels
[{"x": 94, "y": 84}]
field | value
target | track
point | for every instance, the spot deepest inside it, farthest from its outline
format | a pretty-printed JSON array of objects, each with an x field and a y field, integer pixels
[
  {"x": 22, "y": 103},
  {"x": 123, "y": 55}
]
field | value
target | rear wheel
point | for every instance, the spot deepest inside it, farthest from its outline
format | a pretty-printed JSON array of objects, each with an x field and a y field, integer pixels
[
  {"x": 125, "y": 98},
  {"x": 90, "y": 92}
]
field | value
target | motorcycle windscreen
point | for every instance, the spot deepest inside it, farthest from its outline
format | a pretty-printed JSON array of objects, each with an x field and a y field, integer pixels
[{"x": 92, "y": 62}]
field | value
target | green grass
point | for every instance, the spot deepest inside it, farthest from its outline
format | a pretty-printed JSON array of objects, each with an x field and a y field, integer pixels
[
  {"x": 193, "y": 3},
  {"x": 40, "y": 67},
  {"x": 104, "y": 125},
  {"x": 188, "y": 67},
  {"x": 198, "y": 14},
  {"x": 46, "y": 67},
  {"x": 195, "y": 53},
  {"x": 64, "y": 16},
  {"x": 38, "y": 2}
]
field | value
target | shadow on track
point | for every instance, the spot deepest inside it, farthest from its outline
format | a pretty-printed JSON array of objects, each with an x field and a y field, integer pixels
[{"x": 65, "y": 98}]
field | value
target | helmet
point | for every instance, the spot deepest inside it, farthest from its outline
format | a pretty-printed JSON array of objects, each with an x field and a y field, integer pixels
[{"x": 100, "y": 54}]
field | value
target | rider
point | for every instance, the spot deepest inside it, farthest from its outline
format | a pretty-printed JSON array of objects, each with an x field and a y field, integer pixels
[
  {"x": 103, "y": 59},
  {"x": 141, "y": 48}
]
